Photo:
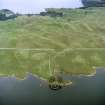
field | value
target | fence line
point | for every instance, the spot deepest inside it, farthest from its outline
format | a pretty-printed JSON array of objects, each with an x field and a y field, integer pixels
[
  {"x": 28, "y": 49},
  {"x": 51, "y": 49}
]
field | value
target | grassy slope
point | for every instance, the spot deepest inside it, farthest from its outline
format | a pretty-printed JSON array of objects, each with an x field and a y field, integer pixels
[{"x": 75, "y": 43}]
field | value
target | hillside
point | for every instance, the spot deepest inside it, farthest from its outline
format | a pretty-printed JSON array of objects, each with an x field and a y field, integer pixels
[
  {"x": 93, "y": 3},
  {"x": 43, "y": 45}
]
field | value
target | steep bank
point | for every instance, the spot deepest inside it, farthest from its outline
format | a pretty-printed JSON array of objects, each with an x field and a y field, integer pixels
[{"x": 72, "y": 44}]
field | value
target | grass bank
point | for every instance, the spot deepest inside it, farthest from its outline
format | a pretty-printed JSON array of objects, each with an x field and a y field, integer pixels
[{"x": 75, "y": 43}]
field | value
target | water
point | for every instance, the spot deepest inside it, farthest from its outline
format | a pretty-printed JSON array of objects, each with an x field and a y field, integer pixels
[{"x": 84, "y": 91}]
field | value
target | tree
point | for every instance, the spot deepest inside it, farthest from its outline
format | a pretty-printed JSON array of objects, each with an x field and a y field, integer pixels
[{"x": 2, "y": 16}]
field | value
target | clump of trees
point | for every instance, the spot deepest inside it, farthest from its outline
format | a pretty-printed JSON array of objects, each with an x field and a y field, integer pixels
[
  {"x": 7, "y": 14},
  {"x": 52, "y": 12},
  {"x": 2, "y": 16},
  {"x": 55, "y": 82},
  {"x": 59, "y": 79}
]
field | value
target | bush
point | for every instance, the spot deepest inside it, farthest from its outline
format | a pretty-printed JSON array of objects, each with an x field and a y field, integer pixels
[{"x": 52, "y": 79}]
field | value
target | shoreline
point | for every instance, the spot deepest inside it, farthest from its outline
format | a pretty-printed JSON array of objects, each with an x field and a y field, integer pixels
[
  {"x": 46, "y": 81},
  {"x": 41, "y": 78},
  {"x": 88, "y": 75},
  {"x": 27, "y": 73}
]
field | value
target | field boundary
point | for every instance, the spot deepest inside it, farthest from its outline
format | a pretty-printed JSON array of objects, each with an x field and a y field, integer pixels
[{"x": 51, "y": 49}]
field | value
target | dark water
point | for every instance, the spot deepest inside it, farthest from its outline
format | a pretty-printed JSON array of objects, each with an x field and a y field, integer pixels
[{"x": 84, "y": 91}]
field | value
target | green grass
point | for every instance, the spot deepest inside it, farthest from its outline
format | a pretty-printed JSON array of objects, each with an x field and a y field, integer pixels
[
  {"x": 81, "y": 61},
  {"x": 75, "y": 43}
]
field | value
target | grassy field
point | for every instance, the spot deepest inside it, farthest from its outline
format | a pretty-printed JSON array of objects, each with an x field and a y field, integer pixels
[{"x": 41, "y": 45}]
